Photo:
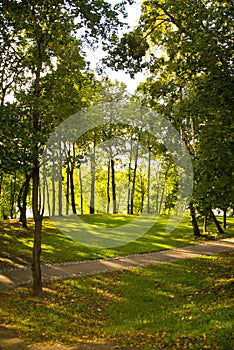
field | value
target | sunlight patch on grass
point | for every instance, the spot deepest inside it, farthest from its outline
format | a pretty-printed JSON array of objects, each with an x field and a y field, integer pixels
[
  {"x": 183, "y": 305},
  {"x": 57, "y": 248}
]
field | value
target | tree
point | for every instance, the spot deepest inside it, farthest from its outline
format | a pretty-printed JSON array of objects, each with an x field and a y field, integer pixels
[
  {"x": 22, "y": 199},
  {"x": 111, "y": 95},
  {"x": 47, "y": 30},
  {"x": 186, "y": 48}
]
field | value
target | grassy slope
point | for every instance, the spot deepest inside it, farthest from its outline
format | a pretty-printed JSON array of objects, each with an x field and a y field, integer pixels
[
  {"x": 17, "y": 242},
  {"x": 182, "y": 305}
]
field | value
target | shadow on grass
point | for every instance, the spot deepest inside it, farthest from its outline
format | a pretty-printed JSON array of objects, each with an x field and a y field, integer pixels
[
  {"x": 16, "y": 243},
  {"x": 182, "y": 305}
]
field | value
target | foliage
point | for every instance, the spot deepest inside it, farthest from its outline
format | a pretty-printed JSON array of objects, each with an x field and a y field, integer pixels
[
  {"x": 188, "y": 59},
  {"x": 44, "y": 34}
]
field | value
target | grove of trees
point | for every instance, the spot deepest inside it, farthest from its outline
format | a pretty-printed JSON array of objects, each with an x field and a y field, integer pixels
[{"x": 185, "y": 49}]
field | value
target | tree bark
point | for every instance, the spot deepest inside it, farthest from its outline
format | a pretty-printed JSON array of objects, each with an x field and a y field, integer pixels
[
  {"x": 162, "y": 197},
  {"x": 142, "y": 194},
  {"x": 81, "y": 192},
  {"x": 36, "y": 265},
  {"x": 53, "y": 190},
  {"x": 113, "y": 186},
  {"x": 149, "y": 166},
  {"x": 37, "y": 215},
  {"x": 60, "y": 183},
  {"x": 68, "y": 190},
  {"x": 13, "y": 194},
  {"x": 157, "y": 200},
  {"x": 108, "y": 188},
  {"x": 92, "y": 190},
  {"x": 224, "y": 219},
  {"x": 196, "y": 230},
  {"x": 72, "y": 186},
  {"x": 1, "y": 180},
  {"x": 48, "y": 196},
  {"x": 73, "y": 202},
  {"x": 23, "y": 193},
  {"x": 129, "y": 177},
  {"x": 205, "y": 224},
  {"x": 134, "y": 180},
  {"x": 217, "y": 224}
]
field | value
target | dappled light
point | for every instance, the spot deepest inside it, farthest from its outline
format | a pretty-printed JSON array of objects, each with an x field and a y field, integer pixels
[
  {"x": 116, "y": 206},
  {"x": 16, "y": 242},
  {"x": 123, "y": 307},
  {"x": 161, "y": 305}
]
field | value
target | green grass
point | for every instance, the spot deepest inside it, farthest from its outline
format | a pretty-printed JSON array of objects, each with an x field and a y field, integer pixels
[
  {"x": 182, "y": 305},
  {"x": 56, "y": 248}
]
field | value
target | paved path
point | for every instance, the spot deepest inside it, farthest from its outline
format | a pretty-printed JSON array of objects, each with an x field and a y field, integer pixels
[{"x": 12, "y": 278}]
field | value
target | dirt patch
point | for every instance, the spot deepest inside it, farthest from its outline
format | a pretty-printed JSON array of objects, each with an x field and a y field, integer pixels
[{"x": 10, "y": 341}]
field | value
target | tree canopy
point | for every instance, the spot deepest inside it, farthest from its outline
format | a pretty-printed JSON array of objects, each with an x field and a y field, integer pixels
[{"x": 185, "y": 49}]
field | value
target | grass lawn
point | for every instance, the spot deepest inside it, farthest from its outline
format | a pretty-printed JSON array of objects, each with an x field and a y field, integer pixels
[
  {"x": 183, "y": 305},
  {"x": 57, "y": 248}
]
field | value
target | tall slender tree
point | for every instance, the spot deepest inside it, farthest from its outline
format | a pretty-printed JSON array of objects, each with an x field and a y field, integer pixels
[{"x": 45, "y": 31}]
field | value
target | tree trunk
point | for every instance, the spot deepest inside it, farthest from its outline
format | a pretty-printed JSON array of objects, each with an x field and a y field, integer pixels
[
  {"x": 196, "y": 230},
  {"x": 53, "y": 191},
  {"x": 129, "y": 178},
  {"x": 36, "y": 265},
  {"x": 1, "y": 181},
  {"x": 108, "y": 188},
  {"x": 19, "y": 203},
  {"x": 73, "y": 202},
  {"x": 161, "y": 199},
  {"x": 13, "y": 194},
  {"x": 129, "y": 194},
  {"x": 60, "y": 197},
  {"x": 142, "y": 193},
  {"x": 134, "y": 180},
  {"x": 23, "y": 193},
  {"x": 113, "y": 186},
  {"x": 217, "y": 224},
  {"x": 60, "y": 182},
  {"x": 149, "y": 166},
  {"x": 157, "y": 200},
  {"x": 37, "y": 215},
  {"x": 53, "y": 197},
  {"x": 73, "y": 164},
  {"x": 48, "y": 196},
  {"x": 68, "y": 190},
  {"x": 224, "y": 219},
  {"x": 92, "y": 190},
  {"x": 193, "y": 133},
  {"x": 205, "y": 224},
  {"x": 81, "y": 192}
]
